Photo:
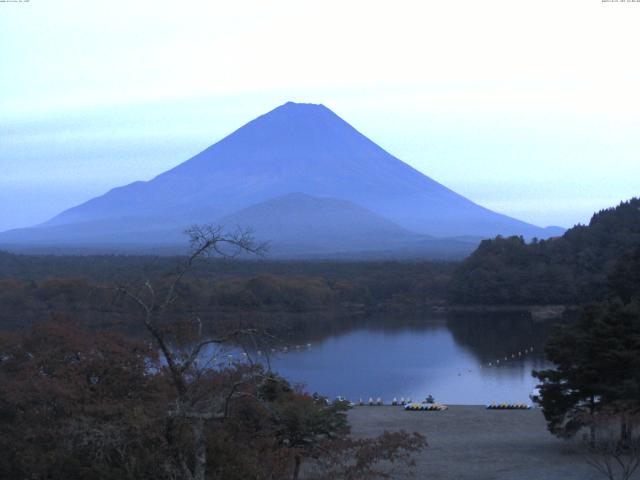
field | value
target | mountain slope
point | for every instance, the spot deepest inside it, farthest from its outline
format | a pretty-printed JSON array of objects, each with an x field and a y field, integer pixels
[
  {"x": 301, "y": 224},
  {"x": 294, "y": 148},
  {"x": 325, "y": 223}
]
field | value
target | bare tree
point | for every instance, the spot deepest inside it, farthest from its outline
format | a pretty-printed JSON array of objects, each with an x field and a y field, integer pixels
[
  {"x": 196, "y": 401},
  {"x": 615, "y": 453}
]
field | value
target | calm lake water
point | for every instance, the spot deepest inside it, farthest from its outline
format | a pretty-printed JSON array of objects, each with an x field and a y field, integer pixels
[{"x": 458, "y": 361}]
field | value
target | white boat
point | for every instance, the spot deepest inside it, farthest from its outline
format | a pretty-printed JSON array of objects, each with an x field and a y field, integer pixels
[{"x": 535, "y": 395}]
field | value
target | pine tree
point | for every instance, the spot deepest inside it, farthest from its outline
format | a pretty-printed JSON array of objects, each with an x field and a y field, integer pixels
[{"x": 597, "y": 360}]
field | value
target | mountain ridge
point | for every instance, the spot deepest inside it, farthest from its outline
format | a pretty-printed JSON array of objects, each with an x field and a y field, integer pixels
[{"x": 303, "y": 148}]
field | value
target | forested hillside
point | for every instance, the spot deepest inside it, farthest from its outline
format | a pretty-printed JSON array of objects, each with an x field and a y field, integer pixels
[
  {"x": 283, "y": 296},
  {"x": 570, "y": 269}
]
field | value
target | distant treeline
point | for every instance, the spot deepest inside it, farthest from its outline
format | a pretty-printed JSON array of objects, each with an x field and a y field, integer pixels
[
  {"x": 571, "y": 269},
  {"x": 282, "y": 295}
]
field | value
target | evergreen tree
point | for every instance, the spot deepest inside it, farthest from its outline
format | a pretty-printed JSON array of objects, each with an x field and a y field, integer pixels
[
  {"x": 597, "y": 360},
  {"x": 571, "y": 269}
]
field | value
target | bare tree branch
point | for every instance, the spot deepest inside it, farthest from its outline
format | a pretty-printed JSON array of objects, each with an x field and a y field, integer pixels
[{"x": 193, "y": 402}]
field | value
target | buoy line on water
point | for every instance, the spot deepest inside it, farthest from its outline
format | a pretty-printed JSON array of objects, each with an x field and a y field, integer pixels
[
  {"x": 260, "y": 353},
  {"x": 513, "y": 356}
]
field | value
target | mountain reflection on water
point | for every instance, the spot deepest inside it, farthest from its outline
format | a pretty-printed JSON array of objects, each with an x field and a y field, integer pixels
[{"x": 461, "y": 359}]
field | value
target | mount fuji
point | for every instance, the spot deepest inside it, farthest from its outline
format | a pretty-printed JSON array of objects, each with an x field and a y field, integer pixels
[{"x": 303, "y": 179}]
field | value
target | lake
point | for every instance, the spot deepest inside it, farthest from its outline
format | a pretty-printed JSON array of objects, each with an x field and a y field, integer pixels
[{"x": 461, "y": 360}]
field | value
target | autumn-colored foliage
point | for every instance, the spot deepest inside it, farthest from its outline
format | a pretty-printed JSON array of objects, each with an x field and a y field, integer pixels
[
  {"x": 76, "y": 404},
  {"x": 80, "y": 404}
]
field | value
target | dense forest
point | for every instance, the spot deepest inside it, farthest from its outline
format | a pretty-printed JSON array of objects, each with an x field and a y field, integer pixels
[
  {"x": 287, "y": 298},
  {"x": 571, "y": 269},
  {"x": 568, "y": 270}
]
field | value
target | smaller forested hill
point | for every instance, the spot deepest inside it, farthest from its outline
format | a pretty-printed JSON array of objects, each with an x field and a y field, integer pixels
[{"x": 565, "y": 270}]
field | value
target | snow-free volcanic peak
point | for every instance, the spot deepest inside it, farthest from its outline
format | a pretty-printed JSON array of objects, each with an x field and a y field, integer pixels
[{"x": 297, "y": 147}]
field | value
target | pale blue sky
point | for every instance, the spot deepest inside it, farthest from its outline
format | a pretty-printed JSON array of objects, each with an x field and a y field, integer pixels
[{"x": 529, "y": 108}]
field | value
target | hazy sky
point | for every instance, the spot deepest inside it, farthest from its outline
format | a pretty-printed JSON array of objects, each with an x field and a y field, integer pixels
[{"x": 531, "y": 108}]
